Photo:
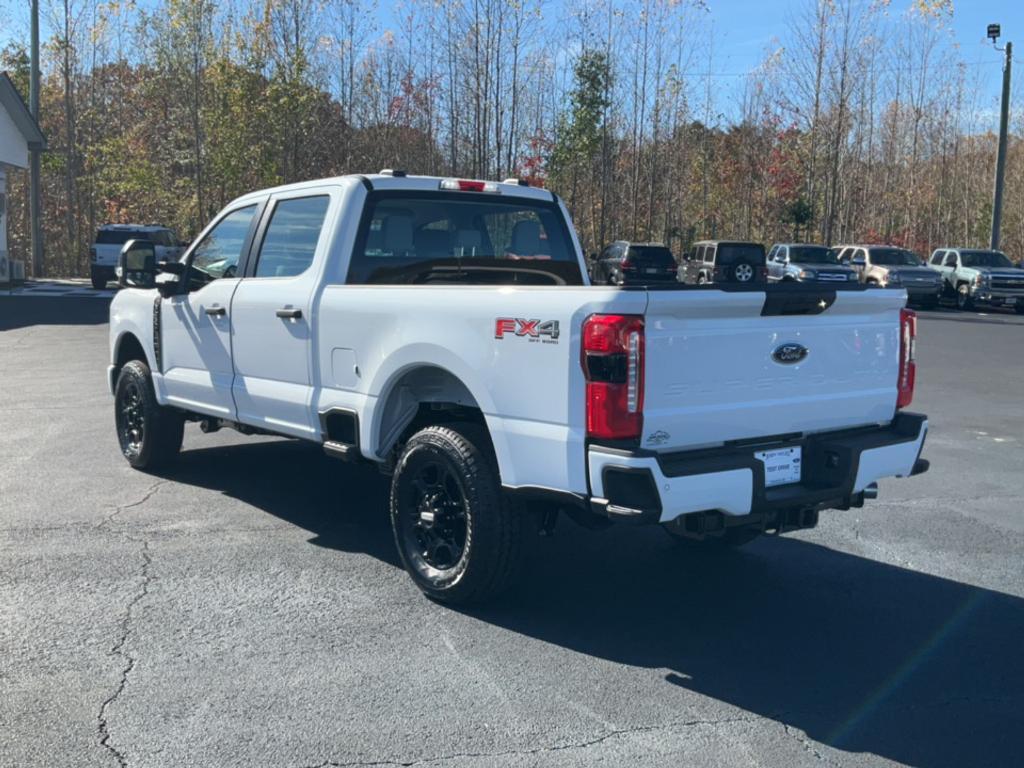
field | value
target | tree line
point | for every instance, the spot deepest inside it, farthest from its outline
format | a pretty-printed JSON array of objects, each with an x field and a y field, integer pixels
[{"x": 863, "y": 122}]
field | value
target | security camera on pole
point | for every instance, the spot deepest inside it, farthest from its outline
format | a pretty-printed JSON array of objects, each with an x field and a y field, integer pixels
[{"x": 1004, "y": 115}]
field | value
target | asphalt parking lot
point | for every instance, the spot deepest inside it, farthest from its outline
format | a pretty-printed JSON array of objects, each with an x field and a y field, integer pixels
[{"x": 248, "y": 608}]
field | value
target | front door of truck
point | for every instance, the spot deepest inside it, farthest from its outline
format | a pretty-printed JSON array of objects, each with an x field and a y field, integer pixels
[
  {"x": 195, "y": 325},
  {"x": 272, "y": 316}
]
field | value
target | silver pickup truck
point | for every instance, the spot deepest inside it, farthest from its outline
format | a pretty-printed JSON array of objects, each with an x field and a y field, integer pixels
[{"x": 976, "y": 277}]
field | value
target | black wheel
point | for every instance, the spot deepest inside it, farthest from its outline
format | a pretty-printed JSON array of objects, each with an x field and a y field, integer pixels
[
  {"x": 701, "y": 280},
  {"x": 733, "y": 538},
  {"x": 459, "y": 538},
  {"x": 149, "y": 434},
  {"x": 964, "y": 301},
  {"x": 98, "y": 283},
  {"x": 1019, "y": 307}
]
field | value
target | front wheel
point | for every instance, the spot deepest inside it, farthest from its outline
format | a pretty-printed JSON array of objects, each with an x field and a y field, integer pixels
[
  {"x": 149, "y": 434},
  {"x": 964, "y": 301},
  {"x": 460, "y": 539}
]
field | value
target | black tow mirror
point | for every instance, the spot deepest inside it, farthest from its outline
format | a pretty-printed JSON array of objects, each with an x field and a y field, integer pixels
[{"x": 136, "y": 265}]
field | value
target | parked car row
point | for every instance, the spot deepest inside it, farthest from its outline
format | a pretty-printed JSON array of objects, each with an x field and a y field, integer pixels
[{"x": 971, "y": 277}]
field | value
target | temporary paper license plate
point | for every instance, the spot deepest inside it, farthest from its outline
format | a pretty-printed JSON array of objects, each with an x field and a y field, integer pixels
[{"x": 781, "y": 465}]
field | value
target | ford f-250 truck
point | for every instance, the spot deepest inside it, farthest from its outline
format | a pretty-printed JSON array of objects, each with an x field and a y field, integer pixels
[{"x": 445, "y": 330}]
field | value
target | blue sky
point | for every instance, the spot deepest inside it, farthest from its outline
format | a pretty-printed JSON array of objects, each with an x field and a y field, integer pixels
[{"x": 744, "y": 30}]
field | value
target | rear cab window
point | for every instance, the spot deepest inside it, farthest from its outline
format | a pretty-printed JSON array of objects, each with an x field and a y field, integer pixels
[
  {"x": 119, "y": 236},
  {"x": 463, "y": 238}
]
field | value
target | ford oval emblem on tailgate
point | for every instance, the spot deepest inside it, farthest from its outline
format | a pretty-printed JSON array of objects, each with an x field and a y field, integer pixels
[{"x": 787, "y": 354}]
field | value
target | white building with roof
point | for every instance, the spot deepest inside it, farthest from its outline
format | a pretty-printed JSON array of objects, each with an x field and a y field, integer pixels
[{"x": 19, "y": 133}]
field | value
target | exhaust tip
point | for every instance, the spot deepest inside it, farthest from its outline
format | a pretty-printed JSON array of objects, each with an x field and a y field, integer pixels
[{"x": 871, "y": 491}]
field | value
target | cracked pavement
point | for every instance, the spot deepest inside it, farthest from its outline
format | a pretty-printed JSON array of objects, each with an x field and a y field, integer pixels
[{"x": 247, "y": 608}]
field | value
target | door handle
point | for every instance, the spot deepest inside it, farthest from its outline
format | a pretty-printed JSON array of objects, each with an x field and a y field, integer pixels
[
  {"x": 216, "y": 311},
  {"x": 290, "y": 314}
]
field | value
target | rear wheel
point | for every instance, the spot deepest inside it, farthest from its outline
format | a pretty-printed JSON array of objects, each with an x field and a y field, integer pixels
[
  {"x": 98, "y": 283},
  {"x": 1019, "y": 307},
  {"x": 460, "y": 539},
  {"x": 701, "y": 280},
  {"x": 148, "y": 433}
]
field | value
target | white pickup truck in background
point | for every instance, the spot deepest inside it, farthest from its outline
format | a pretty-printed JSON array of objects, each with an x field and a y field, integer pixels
[{"x": 446, "y": 330}]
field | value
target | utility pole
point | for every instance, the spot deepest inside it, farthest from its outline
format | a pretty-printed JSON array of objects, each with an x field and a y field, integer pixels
[
  {"x": 35, "y": 197},
  {"x": 1004, "y": 117}
]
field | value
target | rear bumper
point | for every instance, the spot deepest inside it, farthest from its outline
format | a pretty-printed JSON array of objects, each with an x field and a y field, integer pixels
[{"x": 837, "y": 467}]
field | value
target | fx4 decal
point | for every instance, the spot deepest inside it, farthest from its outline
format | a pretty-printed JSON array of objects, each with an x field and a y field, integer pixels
[{"x": 532, "y": 330}]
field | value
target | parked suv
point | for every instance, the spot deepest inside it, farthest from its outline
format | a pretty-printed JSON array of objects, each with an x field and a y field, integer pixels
[
  {"x": 626, "y": 263},
  {"x": 724, "y": 261},
  {"x": 892, "y": 267},
  {"x": 806, "y": 263},
  {"x": 979, "y": 277},
  {"x": 110, "y": 238}
]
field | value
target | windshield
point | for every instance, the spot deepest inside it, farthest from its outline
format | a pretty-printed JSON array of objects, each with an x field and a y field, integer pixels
[
  {"x": 812, "y": 254},
  {"x": 984, "y": 259},
  {"x": 894, "y": 257},
  {"x": 464, "y": 238}
]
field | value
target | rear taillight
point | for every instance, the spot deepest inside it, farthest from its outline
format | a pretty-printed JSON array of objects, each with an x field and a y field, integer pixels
[
  {"x": 613, "y": 364},
  {"x": 626, "y": 264},
  {"x": 908, "y": 352}
]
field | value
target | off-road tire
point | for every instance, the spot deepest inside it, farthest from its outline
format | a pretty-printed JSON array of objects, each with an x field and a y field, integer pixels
[
  {"x": 494, "y": 527},
  {"x": 159, "y": 440},
  {"x": 98, "y": 283}
]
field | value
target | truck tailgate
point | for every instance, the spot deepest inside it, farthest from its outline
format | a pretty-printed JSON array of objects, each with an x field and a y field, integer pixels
[{"x": 712, "y": 375}]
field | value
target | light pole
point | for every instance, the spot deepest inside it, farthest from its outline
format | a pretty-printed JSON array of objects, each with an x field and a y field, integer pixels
[
  {"x": 1004, "y": 116},
  {"x": 35, "y": 198}
]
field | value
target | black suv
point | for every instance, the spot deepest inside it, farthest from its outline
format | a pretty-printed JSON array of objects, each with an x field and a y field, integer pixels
[
  {"x": 724, "y": 261},
  {"x": 626, "y": 263}
]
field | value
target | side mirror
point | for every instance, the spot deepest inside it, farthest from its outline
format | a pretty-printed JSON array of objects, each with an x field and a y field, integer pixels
[{"x": 136, "y": 265}]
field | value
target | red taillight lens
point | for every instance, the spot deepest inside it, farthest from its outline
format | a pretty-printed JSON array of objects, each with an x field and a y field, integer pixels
[
  {"x": 626, "y": 263},
  {"x": 908, "y": 352},
  {"x": 613, "y": 364}
]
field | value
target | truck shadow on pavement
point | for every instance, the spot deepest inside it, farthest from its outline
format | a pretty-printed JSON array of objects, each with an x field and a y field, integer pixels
[
  {"x": 858, "y": 654},
  {"x": 24, "y": 311}
]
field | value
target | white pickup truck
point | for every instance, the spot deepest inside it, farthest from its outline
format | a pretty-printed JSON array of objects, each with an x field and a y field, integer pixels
[{"x": 446, "y": 330}]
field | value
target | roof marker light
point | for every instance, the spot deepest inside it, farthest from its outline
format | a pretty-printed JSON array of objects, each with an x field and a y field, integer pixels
[{"x": 468, "y": 185}]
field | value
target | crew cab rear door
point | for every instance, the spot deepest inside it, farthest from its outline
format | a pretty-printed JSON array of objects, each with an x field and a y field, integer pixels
[
  {"x": 272, "y": 314},
  {"x": 738, "y": 365}
]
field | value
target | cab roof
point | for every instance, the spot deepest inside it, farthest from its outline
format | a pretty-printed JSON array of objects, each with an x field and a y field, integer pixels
[{"x": 398, "y": 181}]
